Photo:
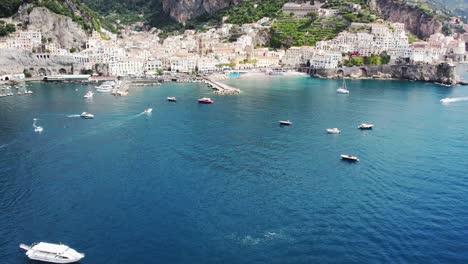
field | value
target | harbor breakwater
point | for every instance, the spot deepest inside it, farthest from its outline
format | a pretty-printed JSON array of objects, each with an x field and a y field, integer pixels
[{"x": 443, "y": 73}]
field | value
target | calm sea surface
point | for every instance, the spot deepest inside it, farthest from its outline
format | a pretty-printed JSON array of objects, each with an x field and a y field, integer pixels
[{"x": 223, "y": 183}]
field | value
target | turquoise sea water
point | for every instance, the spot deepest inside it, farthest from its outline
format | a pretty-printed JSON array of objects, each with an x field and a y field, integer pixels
[{"x": 224, "y": 183}]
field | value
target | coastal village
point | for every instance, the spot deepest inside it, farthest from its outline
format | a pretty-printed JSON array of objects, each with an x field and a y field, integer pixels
[{"x": 137, "y": 54}]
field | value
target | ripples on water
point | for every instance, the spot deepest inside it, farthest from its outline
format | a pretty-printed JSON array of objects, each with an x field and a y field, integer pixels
[{"x": 225, "y": 183}]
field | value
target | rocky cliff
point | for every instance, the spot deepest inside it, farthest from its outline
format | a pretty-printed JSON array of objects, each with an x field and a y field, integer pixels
[
  {"x": 444, "y": 73},
  {"x": 184, "y": 10},
  {"x": 60, "y": 29},
  {"x": 16, "y": 61},
  {"x": 416, "y": 21}
]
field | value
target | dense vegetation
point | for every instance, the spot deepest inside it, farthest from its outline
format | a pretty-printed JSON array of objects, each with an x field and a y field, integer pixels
[
  {"x": 383, "y": 58},
  {"x": 6, "y": 29},
  {"x": 9, "y": 7},
  {"x": 289, "y": 32}
]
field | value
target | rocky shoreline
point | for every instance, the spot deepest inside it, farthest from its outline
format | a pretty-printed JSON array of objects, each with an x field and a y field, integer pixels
[{"x": 442, "y": 73}]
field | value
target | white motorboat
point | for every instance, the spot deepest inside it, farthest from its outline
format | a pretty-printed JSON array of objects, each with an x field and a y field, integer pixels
[
  {"x": 349, "y": 157},
  {"x": 88, "y": 94},
  {"x": 105, "y": 87},
  {"x": 86, "y": 115},
  {"x": 53, "y": 253},
  {"x": 285, "y": 122},
  {"x": 205, "y": 100},
  {"x": 38, "y": 129},
  {"x": 29, "y": 92},
  {"x": 333, "y": 130},
  {"x": 343, "y": 89},
  {"x": 365, "y": 126},
  {"x": 172, "y": 99},
  {"x": 148, "y": 110}
]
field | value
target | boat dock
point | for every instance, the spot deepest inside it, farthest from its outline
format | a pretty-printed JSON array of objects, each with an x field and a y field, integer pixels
[{"x": 221, "y": 88}]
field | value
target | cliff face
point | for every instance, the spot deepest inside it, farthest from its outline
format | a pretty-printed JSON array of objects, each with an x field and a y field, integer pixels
[
  {"x": 59, "y": 28},
  {"x": 184, "y": 10},
  {"x": 440, "y": 73},
  {"x": 415, "y": 20}
]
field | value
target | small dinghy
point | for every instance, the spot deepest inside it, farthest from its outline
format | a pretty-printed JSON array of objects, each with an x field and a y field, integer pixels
[
  {"x": 285, "y": 122},
  {"x": 365, "y": 126},
  {"x": 86, "y": 115},
  {"x": 333, "y": 130},
  {"x": 53, "y": 253},
  {"x": 349, "y": 158},
  {"x": 172, "y": 99},
  {"x": 148, "y": 110}
]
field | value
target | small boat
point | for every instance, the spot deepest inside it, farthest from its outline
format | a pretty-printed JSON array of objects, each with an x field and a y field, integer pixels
[
  {"x": 19, "y": 93},
  {"x": 285, "y": 122},
  {"x": 86, "y": 115},
  {"x": 172, "y": 99},
  {"x": 365, "y": 126},
  {"x": 53, "y": 253},
  {"x": 88, "y": 94},
  {"x": 343, "y": 89},
  {"x": 148, "y": 110},
  {"x": 333, "y": 130},
  {"x": 105, "y": 87},
  {"x": 29, "y": 92},
  {"x": 349, "y": 157},
  {"x": 38, "y": 129},
  {"x": 205, "y": 101}
]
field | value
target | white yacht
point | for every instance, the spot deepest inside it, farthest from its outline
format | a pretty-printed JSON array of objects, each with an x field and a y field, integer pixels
[
  {"x": 105, "y": 87},
  {"x": 333, "y": 130},
  {"x": 148, "y": 110},
  {"x": 343, "y": 89},
  {"x": 349, "y": 157},
  {"x": 285, "y": 122},
  {"x": 365, "y": 126},
  {"x": 53, "y": 253},
  {"x": 86, "y": 115},
  {"x": 88, "y": 94}
]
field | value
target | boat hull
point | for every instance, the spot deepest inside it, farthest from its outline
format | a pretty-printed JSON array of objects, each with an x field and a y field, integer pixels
[{"x": 54, "y": 260}]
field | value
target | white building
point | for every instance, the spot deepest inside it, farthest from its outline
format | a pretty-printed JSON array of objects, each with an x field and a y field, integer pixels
[
  {"x": 325, "y": 60},
  {"x": 127, "y": 68}
]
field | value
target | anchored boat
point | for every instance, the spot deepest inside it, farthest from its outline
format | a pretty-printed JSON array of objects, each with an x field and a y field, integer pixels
[
  {"x": 285, "y": 122},
  {"x": 205, "y": 100},
  {"x": 343, "y": 89},
  {"x": 349, "y": 158},
  {"x": 333, "y": 130},
  {"x": 53, "y": 253},
  {"x": 172, "y": 99},
  {"x": 365, "y": 126}
]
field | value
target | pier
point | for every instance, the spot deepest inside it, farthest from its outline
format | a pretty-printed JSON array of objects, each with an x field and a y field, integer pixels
[{"x": 221, "y": 88}]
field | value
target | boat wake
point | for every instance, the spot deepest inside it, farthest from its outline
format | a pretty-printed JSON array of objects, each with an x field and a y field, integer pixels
[
  {"x": 452, "y": 100},
  {"x": 37, "y": 129},
  {"x": 73, "y": 115}
]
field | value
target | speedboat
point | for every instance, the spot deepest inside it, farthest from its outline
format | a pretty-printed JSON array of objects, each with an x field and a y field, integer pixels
[
  {"x": 148, "y": 110},
  {"x": 53, "y": 253},
  {"x": 365, "y": 126},
  {"x": 172, "y": 99},
  {"x": 349, "y": 157},
  {"x": 333, "y": 130},
  {"x": 285, "y": 122},
  {"x": 86, "y": 115},
  {"x": 38, "y": 129},
  {"x": 88, "y": 94},
  {"x": 205, "y": 100}
]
